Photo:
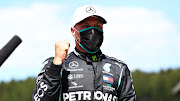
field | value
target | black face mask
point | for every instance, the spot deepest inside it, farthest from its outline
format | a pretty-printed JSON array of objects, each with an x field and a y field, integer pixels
[{"x": 91, "y": 39}]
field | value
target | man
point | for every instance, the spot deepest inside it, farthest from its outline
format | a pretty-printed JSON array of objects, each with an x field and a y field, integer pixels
[{"x": 85, "y": 74}]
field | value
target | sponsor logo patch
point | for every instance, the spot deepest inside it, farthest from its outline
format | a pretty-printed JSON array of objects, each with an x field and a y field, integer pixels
[
  {"x": 90, "y": 10},
  {"x": 106, "y": 67},
  {"x": 40, "y": 92},
  {"x": 74, "y": 70},
  {"x": 108, "y": 79},
  {"x": 70, "y": 77},
  {"x": 75, "y": 76},
  {"x": 39, "y": 78},
  {"x": 108, "y": 87},
  {"x": 75, "y": 85},
  {"x": 73, "y": 64},
  {"x": 88, "y": 96}
]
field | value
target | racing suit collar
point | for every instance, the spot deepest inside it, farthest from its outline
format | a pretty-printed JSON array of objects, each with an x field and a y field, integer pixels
[{"x": 98, "y": 56}]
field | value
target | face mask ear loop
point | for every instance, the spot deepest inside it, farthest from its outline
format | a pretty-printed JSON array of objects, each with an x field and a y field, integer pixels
[
  {"x": 75, "y": 37},
  {"x": 76, "y": 29},
  {"x": 76, "y": 40}
]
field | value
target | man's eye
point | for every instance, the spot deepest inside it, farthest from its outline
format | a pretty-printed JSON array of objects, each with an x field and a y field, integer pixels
[
  {"x": 85, "y": 26},
  {"x": 98, "y": 26}
]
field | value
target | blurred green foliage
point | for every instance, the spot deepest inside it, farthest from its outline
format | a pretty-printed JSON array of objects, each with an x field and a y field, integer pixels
[
  {"x": 17, "y": 90},
  {"x": 148, "y": 87},
  {"x": 156, "y": 86}
]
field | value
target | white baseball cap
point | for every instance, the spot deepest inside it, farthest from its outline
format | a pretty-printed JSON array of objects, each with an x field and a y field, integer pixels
[{"x": 85, "y": 12}]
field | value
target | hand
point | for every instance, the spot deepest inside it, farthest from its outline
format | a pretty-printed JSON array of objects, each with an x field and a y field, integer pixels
[{"x": 61, "y": 50}]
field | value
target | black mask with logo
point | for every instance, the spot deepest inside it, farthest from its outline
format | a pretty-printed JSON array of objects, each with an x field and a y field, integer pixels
[{"x": 91, "y": 39}]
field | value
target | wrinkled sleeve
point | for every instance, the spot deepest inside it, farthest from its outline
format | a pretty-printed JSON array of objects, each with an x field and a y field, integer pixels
[
  {"x": 48, "y": 83},
  {"x": 126, "y": 90}
]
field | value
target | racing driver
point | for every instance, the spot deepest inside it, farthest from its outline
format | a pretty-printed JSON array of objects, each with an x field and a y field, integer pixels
[{"x": 86, "y": 74}]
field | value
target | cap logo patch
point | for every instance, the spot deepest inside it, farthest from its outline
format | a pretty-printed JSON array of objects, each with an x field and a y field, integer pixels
[{"x": 90, "y": 10}]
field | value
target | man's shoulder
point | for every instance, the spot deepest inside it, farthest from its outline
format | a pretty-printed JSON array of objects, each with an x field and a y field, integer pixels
[
  {"x": 123, "y": 66},
  {"x": 115, "y": 60},
  {"x": 50, "y": 59}
]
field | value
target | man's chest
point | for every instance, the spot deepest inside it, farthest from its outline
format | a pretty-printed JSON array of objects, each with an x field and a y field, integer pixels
[{"x": 95, "y": 80}]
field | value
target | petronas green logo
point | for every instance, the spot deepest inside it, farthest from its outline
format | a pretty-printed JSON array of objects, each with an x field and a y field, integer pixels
[
  {"x": 94, "y": 58},
  {"x": 109, "y": 85}
]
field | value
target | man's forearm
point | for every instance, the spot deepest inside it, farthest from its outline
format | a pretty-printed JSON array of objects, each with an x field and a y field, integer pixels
[{"x": 48, "y": 83}]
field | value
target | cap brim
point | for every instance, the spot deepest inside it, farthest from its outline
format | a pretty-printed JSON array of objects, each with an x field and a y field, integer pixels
[{"x": 101, "y": 18}]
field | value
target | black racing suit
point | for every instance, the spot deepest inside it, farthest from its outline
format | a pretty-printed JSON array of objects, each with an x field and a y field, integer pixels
[{"x": 84, "y": 77}]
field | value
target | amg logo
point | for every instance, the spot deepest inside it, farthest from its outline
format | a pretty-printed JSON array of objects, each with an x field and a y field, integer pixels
[{"x": 87, "y": 96}]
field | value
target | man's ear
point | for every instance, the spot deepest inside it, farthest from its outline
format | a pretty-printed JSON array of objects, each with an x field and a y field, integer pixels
[{"x": 73, "y": 31}]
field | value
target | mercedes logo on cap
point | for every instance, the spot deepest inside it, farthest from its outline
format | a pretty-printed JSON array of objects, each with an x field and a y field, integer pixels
[{"x": 90, "y": 10}]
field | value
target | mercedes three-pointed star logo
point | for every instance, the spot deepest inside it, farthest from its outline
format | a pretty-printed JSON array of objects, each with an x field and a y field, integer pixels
[
  {"x": 90, "y": 10},
  {"x": 73, "y": 64}
]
